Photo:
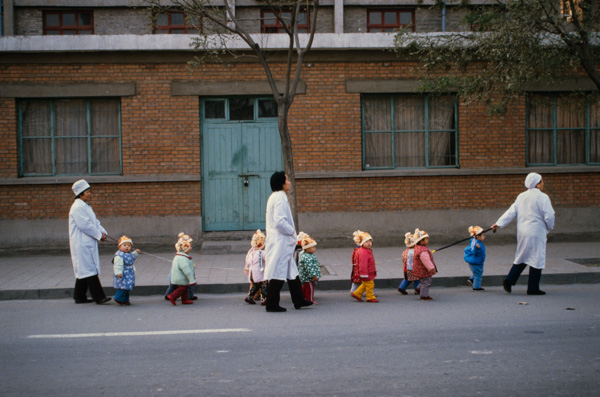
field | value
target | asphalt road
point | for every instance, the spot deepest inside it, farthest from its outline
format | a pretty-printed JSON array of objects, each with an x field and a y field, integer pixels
[{"x": 463, "y": 343}]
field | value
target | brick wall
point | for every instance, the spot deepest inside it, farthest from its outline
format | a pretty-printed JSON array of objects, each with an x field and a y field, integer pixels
[{"x": 161, "y": 135}]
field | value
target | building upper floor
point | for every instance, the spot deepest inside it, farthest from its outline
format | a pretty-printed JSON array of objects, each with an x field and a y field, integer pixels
[{"x": 135, "y": 17}]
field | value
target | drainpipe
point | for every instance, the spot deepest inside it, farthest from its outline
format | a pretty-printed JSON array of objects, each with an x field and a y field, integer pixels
[{"x": 444, "y": 17}]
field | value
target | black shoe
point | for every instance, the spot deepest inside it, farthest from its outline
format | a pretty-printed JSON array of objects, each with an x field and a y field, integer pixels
[
  {"x": 470, "y": 282},
  {"x": 277, "y": 309},
  {"x": 402, "y": 291},
  {"x": 86, "y": 300},
  {"x": 193, "y": 298},
  {"x": 479, "y": 289},
  {"x": 538, "y": 292},
  {"x": 303, "y": 304},
  {"x": 103, "y": 300},
  {"x": 507, "y": 286},
  {"x": 122, "y": 303}
]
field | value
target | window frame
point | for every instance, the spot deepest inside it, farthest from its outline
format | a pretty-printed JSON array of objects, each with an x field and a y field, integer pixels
[
  {"x": 227, "y": 112},
  {"x": 555, "y": 130},
  {"x": 53, "y": 136},
  {"x": 393, "y": 131},
  {"x": 383, "y": 25},
  {"x": 167, "y": 29},
  {"x": 60, "y": 28},
  {"x": 278, "y": 24}
]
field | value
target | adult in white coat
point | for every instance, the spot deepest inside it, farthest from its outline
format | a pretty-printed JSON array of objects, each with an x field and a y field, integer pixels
[
  {"x": 84, "y": 233},
  {"x": 535, "y": 219},
  {"x": 279, "y": 247}
]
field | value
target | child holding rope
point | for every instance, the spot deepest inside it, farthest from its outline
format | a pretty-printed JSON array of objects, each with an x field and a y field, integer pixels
[
  {"x": 475, "y": 256},
  {"x": 182, "y": 271},
  {"x": 423, "y": 266},
  {"x": 124, "y": 271},
  {"x": 407, "y": 261},
  {"x": 366, "y": 269},
  {"x": 308, "y": 266},
  {"x": 255, "y": 269}
]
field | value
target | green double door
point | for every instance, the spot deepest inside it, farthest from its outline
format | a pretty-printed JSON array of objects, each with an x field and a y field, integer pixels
[{"x": 240, "y": 151}]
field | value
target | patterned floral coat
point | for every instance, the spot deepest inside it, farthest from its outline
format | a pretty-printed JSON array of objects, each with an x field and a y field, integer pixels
[
  {"x": 123, "y": 265},
  {"x": 308, "y": 267}
]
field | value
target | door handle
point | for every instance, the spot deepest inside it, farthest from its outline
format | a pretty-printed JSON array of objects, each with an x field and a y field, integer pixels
[{"x": 247, "y": 175}]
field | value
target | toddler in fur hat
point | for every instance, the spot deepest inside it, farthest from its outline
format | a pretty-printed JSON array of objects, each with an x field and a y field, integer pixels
[
  {"x": 124, "y": 271},
  {"x": 308, "y": 266},
  {"x": 254, "y": 267},
  {"x": 475, "y": 256},
  {"x": 366, "y": 267},
  {"x": 407, "y": 262}
]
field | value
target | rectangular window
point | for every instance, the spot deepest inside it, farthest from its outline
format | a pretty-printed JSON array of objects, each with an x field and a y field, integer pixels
[
  {"x": 271, "y": 24},
  {"x": 562, "y": 129},
  {"x": 176, "y": 22},
  {"x": 68, "y": 22},
  {"x": 409, "y": 131},
  {"x": 389, "y": 20},
  {"x": 69, "y": 137},
  {"x": 239, "y": 108}
]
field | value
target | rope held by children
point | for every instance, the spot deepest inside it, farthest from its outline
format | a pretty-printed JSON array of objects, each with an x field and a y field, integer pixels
[
  {"x": 460, "y": 241},
  {"x": 143, "y": 252}
]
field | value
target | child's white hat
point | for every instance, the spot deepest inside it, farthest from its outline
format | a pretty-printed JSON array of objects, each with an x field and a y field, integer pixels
[
  {"x": 409, "y": 240},
  {"x": 258, "y": 240},
  {"x": 360, "y": 238},
  {"x": 475, "y": 230},
  {"x": 419, "y": 235},
  {"x": 306, "y": 241},
  {"x": 184, "y": 244},
  {"x": 80, "y": 186},
  {"x": 124, "y": 240}
]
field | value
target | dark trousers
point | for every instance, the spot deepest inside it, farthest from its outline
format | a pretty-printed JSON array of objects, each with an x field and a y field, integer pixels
[
  {"x": 274, "y": 292},
  {"x": 93, "y": 284},
  {"x": 535, "y": 275}
]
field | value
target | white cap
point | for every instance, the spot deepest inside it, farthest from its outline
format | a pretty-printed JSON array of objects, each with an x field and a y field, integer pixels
[{"x": 80, "y": 186}]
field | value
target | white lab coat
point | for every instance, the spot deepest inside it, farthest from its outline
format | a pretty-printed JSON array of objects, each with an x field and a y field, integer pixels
[
  {"x": 281, "y": 239},
  {"x": 84, "y": 233},
  {"x": 535, "y": 219}
]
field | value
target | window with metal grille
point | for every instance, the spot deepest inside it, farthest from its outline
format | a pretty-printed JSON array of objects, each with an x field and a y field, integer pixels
[
  {"x": 177, "y": 22},
  {"x": 68, "y": 22},
  {"x": 271, "y": 24},
  {"x": 389, "y": 20},
  {"x": 409, "y": 131},
  {"x": 562, "y": 129},
  {"x": 69, "y": 137}
]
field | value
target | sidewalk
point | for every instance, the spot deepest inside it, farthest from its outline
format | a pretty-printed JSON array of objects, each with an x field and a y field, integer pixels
[{"x": 51, "y": 276}]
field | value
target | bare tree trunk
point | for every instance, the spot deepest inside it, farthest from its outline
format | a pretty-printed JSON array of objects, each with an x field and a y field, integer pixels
[{"x": 288, "y": 156}]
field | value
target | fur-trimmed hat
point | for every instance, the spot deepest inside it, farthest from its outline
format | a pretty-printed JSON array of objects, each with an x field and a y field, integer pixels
[
  {"x": 409, "y": 240},
  {"x": 306, "y": 241},
  {"x": 361, "y": 237},
  {"x": 80, "y": 186},
  {"x": 258, "y": 240},
  {"x": 125, "y": 239},
  {"x": 419, "y": 235},
  {"x": 475, "y": 230},
  {"x": 184, "y": 244}
]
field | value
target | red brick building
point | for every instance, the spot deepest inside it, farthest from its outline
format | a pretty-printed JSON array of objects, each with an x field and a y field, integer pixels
[{"x": 168, "y": 149}]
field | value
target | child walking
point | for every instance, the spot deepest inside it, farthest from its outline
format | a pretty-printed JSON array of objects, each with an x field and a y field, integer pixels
[
  {"x": 308, "y": 267},
  {"x": 183, "y": 274},
  {"x": 407, "y": 261},
  {"x": 354, "y": 275},
  {"x": 123, "y": 270},
  {"x": 475, "y": 256},
  {"x": 423, "y": 266},
  {"x": 366, "y": 269},
  {"x": 255, "y": 269}
]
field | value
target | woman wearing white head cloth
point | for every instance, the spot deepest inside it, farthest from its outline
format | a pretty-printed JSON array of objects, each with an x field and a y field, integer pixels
[
  {"x": 535, "y": 219},
  {"x": 84, "y": 233}
]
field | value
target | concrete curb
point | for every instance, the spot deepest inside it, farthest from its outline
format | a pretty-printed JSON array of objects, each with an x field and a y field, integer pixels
[{"x": 327, "y": 285}]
